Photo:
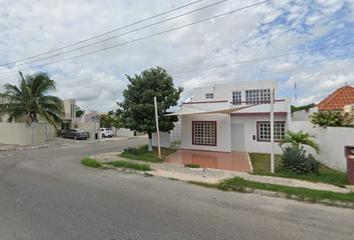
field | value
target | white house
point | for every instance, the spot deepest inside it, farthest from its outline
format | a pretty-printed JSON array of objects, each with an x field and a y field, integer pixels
[{"x": 233, "y": 117}]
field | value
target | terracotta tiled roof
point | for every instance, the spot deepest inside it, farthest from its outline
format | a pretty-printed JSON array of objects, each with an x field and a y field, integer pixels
[{"x": 337, "y": 100}]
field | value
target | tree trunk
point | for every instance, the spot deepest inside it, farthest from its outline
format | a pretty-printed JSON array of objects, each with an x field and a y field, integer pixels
[{"x": 150, "y": 141}]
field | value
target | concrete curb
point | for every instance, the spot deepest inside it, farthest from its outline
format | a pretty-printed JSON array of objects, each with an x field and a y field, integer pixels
[
  {"x": 24, "y": 148},
  {"x": 249, "y": 162}
]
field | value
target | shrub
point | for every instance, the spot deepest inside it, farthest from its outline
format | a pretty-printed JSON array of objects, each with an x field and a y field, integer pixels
[
  {"x": 295, "y": 159},
  {"x": 316, "y": 165},
  {"x": 131, "y": 151},
  {"x": 331, "y": 119}
]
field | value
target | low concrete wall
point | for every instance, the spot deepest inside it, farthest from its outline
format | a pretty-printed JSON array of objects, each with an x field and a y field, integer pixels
[
  {"x": 19, "y": 133},
  {"x": 303, "y": 115},
  {"x": 331, "y": 140},
  {"x": 124, "y": 132},
  {"x": 164, "y": 140},
  {"x": 90, "y": 127}
]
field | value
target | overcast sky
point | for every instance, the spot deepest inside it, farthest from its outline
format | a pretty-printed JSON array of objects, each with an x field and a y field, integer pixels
[{"x": 319, "y": 31}]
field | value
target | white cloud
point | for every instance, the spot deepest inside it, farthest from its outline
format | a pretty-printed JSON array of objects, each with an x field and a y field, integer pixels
[{"x": 98, "y": 80}]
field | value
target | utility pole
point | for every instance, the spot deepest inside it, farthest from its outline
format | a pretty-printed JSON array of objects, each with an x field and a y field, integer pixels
[
  {"x": 157, "y": 128},
  {"x": 272, "y": 130},
  {"x": 94, "y": 119}
]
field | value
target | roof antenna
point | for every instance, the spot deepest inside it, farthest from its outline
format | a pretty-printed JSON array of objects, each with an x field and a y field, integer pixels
[{"x": 295, "y": 86}]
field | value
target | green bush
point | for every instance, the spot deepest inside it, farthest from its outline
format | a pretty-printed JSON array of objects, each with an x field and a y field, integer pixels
[
  {"x": 316, "y": 165},
  {"x": 295, "y": 160},
  {"x": 331, "y": 119},
  {"x": 131, "y": 151}
]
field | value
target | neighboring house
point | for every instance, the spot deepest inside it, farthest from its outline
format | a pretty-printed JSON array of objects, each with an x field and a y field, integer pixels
[
  {"x": 69, "y": 119},
  {"x": 338, "y": 100},
  {"x": 341, "y": 100},
  {"x": 233, "y": 117},
  {"x": 85, "y": 119},
  {"x": 17, "y": 132}
]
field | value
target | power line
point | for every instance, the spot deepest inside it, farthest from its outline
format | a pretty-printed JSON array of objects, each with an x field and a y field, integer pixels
[
  {"x": 271, "y": 74},
  {"x": 123, "y": 34},
  {"x": 239, "y": 76},
  {"x": 259, "y": 59},
  {"x": 104, "y": 34},
  {"x": 146, "y": 37}
]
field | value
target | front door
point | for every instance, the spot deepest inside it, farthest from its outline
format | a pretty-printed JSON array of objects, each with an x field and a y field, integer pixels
[{"x": 237, "y": 137}]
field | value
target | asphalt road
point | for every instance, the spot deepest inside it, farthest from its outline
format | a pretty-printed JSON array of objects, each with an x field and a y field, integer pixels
[{"x": 48, "y": 194}]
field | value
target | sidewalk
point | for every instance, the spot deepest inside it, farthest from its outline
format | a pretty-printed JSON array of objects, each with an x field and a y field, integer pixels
[{"x": 174, "y": 171}]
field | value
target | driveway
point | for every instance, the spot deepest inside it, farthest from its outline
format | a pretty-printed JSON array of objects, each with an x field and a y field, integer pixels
[{"x": 47, "y": 194}]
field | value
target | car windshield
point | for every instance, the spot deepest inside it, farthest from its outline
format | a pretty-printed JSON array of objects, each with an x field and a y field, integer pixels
[{"x": 81, "y": 130}]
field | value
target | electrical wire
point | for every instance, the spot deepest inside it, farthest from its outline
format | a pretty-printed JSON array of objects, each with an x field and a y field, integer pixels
[
  {"x": 239, "y": 76},
  {"x": 122, "y": 34},
  {"x": 103, "y": 34},
  {"x": 259, "y": 59},
  {"x": 146, "y": 37}
]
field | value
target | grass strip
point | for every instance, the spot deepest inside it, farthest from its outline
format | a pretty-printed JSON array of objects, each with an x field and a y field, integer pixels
[
  {"x": 131, "y": 165},
  {"x": 261, "y": 166},
  {"x": 90, "y": 162},
  {"x": 238, "y": 184},
  {"x": 190, "y": 165}
]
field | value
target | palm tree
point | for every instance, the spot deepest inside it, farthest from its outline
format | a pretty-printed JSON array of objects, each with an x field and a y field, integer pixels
[
  {"x": 298, "y": 139},
  {"x": 30, "y": 99}
]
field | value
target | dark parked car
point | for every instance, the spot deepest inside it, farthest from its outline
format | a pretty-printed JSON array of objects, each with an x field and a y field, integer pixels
[{"x": 76, "y": 134}]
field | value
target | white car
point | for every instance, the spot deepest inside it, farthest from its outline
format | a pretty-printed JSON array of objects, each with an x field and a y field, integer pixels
[{"x": 106, "y": 132}]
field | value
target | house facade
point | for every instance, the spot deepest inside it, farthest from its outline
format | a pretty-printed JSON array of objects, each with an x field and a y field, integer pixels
[{"x": 233, "y": 117}]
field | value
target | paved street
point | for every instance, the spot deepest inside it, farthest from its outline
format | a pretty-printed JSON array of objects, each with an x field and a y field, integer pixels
[{"x": 47, "y": 194}]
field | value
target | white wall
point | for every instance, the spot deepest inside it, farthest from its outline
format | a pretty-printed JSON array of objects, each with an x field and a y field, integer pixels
[
  {"x": 124, "y": 132},
  {"x": 90, "y": 127},
  {"x": 176, "y": 132},
  {"x": 223, "y": 132},
  {"x": 209, "y": 106},
  {"x": 224, "y": 91},
  {"x": 331, "y": 140},
  {"x": 164, "y": 140},
  {"x": 250, "y": 130},
  {"x": 20, "y": 134},
  {"x": 303, "y": 115}
]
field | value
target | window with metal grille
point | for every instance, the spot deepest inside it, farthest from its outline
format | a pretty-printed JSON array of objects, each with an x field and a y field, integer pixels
[
  {"x": 209, "y": 95},
  {"x": 204, "y": 133},
  {"x": 236, "y": 98},
  {"x": 258, "y": 96},
  {"x": 263, "y": 129}
]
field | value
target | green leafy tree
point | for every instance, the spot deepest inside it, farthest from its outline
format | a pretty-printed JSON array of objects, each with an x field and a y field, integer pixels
[
  {"x": 304, "y": 107},
  {"x": 117, "y": 121},
  {"x": 138, "y": 106},
  {"x": 299, "y": 139},
  {"x": 105, "y": 120},
  {"x": 331, "y": 119},
  {"x": 111, "y": 119},
  {"x": 79, "y": 112},
  {"x": 30, "y": 99}
]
